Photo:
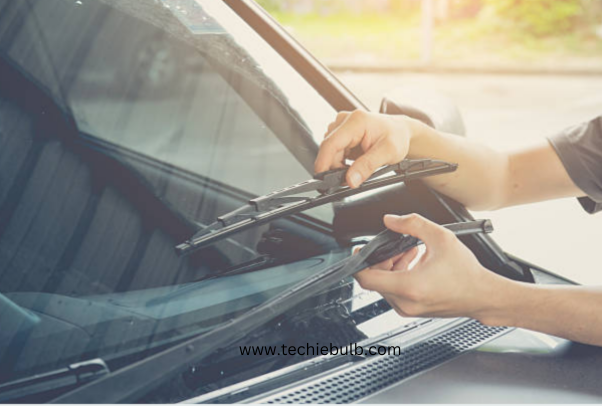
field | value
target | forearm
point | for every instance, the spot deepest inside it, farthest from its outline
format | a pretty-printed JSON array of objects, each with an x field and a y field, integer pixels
[
  {"x": 572, "y": 312},
  {"x": 488, "y": 179},
  {"x": 482, "y": 175}
]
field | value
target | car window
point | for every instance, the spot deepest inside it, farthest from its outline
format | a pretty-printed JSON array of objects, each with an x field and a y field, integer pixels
[
  {"x": 124, "y": 127},
  {"x": 180, "y": 101}
]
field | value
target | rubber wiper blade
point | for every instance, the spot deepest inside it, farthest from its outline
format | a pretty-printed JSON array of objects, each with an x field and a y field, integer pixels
[
  {"x": 128, "y": 384},
  {"x": 329, "y": 187}
]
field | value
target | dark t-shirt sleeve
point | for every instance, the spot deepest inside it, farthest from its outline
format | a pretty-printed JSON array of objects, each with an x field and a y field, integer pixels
[{"x": 580, "y": 150}]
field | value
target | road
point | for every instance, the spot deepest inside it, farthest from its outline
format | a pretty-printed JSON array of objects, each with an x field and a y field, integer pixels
[{"x": 509, "y": 112}]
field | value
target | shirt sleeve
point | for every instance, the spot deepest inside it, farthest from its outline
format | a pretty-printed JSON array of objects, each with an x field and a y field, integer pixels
[{"x": 580, "y": 150}]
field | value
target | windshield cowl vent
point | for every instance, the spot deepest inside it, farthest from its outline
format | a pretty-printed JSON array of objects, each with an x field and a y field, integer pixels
[{"x": 376, "y": 373}]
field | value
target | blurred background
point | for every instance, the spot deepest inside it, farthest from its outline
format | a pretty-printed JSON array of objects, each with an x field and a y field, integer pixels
[
  {"x": 519, "y": 70},
  {"x": 474, "y": 33}
]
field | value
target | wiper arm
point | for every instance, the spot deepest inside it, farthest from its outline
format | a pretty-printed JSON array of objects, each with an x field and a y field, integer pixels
[
  {"x": 330, "y": 187},
  {"x": 129, "y": 383},
  {"x": 70, "y": 377}
]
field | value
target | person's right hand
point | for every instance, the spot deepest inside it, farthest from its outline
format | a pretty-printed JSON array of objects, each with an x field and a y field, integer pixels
[
  {"x": 383, "y": 139},
  {"x": 447, "y": 281}
]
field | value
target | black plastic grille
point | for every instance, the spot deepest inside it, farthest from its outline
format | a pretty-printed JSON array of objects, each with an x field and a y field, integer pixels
[{"x": 379, "y": 372}]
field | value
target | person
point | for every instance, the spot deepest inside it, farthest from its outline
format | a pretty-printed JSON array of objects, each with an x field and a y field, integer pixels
[{"x": 448, "y": 280}]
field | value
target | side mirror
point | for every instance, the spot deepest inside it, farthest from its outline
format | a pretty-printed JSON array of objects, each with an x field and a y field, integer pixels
[{"x": 428, "y": 106}]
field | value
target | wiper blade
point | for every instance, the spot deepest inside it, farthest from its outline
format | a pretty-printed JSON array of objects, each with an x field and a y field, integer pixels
[
  {"x": 254, "y": 265},
  {"x": 70, "y": 377},
  {"x": 133, "y": 381},
  {"x": 330, "y": 187}
]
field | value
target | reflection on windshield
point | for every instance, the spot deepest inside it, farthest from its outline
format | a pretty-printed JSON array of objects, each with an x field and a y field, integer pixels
[{"x": 124, "y": 126}]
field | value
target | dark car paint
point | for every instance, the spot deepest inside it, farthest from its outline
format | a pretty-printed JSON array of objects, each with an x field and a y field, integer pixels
[{"x": 519, "y": 367}]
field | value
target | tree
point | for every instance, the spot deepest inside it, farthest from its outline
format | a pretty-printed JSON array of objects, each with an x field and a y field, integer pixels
[{"x": 537, "y": 17}]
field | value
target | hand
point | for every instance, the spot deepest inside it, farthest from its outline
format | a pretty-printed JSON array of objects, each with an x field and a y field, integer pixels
[
  {"x": 447, "y": 281},
  {"x": 383, "y": 139}
]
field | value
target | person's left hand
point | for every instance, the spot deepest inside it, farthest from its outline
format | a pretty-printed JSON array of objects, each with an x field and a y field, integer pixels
[{"x": 447, "y": 281}]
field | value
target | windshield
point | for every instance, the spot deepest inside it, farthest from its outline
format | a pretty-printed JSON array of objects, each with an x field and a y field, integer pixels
[{"x": 125, "y": 126}]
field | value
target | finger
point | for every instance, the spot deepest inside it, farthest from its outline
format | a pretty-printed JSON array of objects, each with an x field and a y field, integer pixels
[
  {"x": 387, "y": 264},
  {"x": 403, "y": 263},
  {"x": 347, "y": 135},
  {"x": 337, "y": 122},
  {"x": 339, "y": 160},
  {"x": 432, "y": 234},
  {"x": 385, "y": 282},
  {"x": 331, "y": 127},
  {"x": 376, "y": 156},
  {"x": 332, "y": 150}
]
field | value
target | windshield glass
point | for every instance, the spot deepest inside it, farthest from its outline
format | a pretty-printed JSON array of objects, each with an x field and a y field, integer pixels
[{"x": 124, "y": 127}]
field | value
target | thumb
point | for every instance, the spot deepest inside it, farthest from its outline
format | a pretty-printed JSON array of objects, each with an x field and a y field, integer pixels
[{"x": 432, "y": 234}]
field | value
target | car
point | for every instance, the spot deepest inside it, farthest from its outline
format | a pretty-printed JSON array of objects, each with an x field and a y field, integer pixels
[{"x": 127, "y": 127}]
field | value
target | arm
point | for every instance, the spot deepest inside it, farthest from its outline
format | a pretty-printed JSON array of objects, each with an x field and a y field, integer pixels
[
  {"x": 485, "y": 179},
  {"x": 571, "y": 312},
  {"x": 448, "y": 281}
]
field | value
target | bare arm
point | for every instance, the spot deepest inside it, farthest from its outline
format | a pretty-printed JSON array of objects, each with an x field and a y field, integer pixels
[
  {"x": 485, "y": 179},
  {"x": 448, "y": 281},
  {"x": 489, "y": 179},
  {"x": 571, "y": 312}
]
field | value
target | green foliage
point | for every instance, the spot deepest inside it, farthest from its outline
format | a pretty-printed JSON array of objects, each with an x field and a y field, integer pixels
[
  {"x": 271, "y": 5},
  {"x": 537, "y": 17}
]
